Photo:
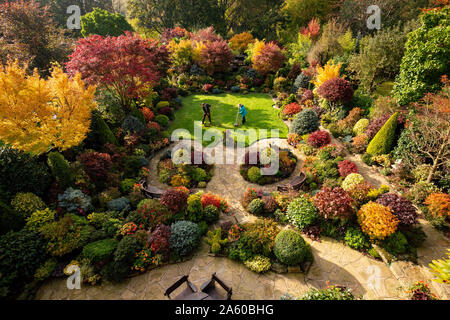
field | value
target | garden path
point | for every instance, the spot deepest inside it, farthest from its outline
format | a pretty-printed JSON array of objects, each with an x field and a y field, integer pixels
[{"x": 334, "y": 262}]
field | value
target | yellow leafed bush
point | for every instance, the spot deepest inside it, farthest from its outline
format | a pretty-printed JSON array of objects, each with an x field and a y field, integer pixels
[
  {"x": 377, "y": 221},
  {"x": 329, "y": 71}
]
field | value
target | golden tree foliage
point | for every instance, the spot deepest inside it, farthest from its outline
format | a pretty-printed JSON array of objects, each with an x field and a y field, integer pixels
[
  {"x": 240, "y": 42},
  {"x": 329, "y": 71},
  {"x": 258, "y": 46},
  {"x": 37, "y": 115}
]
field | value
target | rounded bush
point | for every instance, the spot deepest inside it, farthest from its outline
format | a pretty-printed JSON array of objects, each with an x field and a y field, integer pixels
[
  {"x": 290, "y": 248},
  {"x": 184, "y": 237},
  {"x": 211, "y": 214},
  {"x": 360, "y": 126},
  {"x": 347, "y": 167},
  {"x": 40, "y": 218},
  {"x": 352, "y": 180},
  {"x": 27, "y": 203},
  {"x": 396, "y": 243},
  {"x": 256, "y": 207},
  {"x": 355, "y": 239},
  {"x": 305, "y": 122},
  {"x": 270, "y": 205},
  {"x": 254, "y": 174},
  {"x": 118, "y": 205},
  {"x": 336, "y": 90},
  {"x": 175, "y": 200},
  {"x": 319, "y": 138},
  {"x": 334, "y": 203},
  {"x": 162, "y": 120},
  {"x": 301, "y": 212},
  {"x": 377, "y": 221},
  {"x": 401, "y": 207}
]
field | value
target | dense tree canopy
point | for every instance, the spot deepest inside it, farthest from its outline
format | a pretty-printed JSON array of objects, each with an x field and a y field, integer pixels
[
  {"x": 37, "y": 115},
  {"x": 28, "y": 34},
  {"x": 104, "y": 23}
]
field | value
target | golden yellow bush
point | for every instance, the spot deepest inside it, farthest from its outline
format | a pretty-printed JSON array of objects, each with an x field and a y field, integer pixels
[
  {"x": 240, "y": 42},
  {"x": 329, "y": 71},
  {"x": 377, "y": 221}
]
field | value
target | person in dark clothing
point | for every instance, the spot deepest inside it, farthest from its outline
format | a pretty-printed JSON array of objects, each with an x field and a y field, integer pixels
[{"x": 206, "y": 112}]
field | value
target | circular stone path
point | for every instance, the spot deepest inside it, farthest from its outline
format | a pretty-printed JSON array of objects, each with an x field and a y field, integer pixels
[{"x": 333, "y": 261}]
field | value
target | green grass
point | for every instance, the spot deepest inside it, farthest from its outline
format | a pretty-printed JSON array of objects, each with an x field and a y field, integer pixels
[{"x": 261, "y": 114}]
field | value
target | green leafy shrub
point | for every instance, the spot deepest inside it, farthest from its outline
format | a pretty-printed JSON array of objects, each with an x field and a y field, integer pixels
[
  {"x": 40, "y": 218},
  {"x": 9, "y": 219},
  {"x": 330, "y": 293},
  {"x": 360, "y": 126},
  {"x": 20, "y": 172},
  {"x": 290, "y": 248},
  {"x": 126, "y": 185},
  {"x": 425, "y": 59},
  {"x": 259, "y": 236},
  {"x": 132, "y": 166},
  {"x": 185, "y": 237},
  {"x": 123, "y": 258},
  {"x": 383, "y": 140},
  {"x": 211, "y": 214},
  {"x": 258, "y": 264},
  {"x": 254, "y": 174},
  {"x": 104, "y": 23},
  {"x": 420, "y": 191},
  {"x": 302, "y": 213},
  {"x": 195, "y": 208},
  {"x": 99, "y": 250},
  {"x": 162, "y": 120},
  {"x": 305, "y": 122},
  {"x": 67, "y": 234},
  {"x": 199, "y": 174},
  {"x": 46, "y": 269},
  {"x": 356, "y": 239},
  {"x": 21, "y": 254},
  {"x": 60, "y": 169},
  {"x": 27, "y": 203},
  {"x": 396, "y": 243},
  {"x": 256, "y": 207}
]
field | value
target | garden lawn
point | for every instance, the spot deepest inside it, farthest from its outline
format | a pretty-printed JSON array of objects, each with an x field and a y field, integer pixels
[{"x": 260, "y": 114}]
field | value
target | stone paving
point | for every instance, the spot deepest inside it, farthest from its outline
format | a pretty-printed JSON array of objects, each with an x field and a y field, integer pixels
[{"x": 334, "y": 262}]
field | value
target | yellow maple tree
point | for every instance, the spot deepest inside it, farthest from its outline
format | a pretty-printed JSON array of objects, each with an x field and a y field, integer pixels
[{"x": 37, "y": 115}]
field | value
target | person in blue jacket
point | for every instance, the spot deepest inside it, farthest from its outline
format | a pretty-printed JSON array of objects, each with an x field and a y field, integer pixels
[{"x": 242, "y": 112}]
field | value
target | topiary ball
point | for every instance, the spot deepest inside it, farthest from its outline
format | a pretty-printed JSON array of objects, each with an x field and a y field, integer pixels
[
  {"x": 290, "y": 248},
  {"x": 254, "y": 174},
  {"x": 162, "y": 120}
]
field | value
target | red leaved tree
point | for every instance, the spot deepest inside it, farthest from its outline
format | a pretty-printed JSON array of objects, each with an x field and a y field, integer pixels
[
  {"x": 216, "y": 57},
  {"x": 126, "y": 65},
  {"x": 269, "y": 59}
]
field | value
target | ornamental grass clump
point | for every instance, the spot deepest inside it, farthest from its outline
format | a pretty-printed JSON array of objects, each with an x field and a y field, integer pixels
[
  {"x": 377, "y": 221},
  {"x": 334, "y": 203}
]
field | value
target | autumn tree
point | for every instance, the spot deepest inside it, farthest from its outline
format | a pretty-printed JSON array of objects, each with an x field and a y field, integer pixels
[
  {"x": 126, "y": 65},
  {"x": 427, "y": 136},
  {"x": 37, "y": 114},
  {"x": 267, "y": 57},
  {"x": 216, "y": 57},
  {"x": 29, "y": 34}
]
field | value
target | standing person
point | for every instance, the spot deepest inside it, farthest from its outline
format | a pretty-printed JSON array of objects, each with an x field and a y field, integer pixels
[
  {"x": 206, "y": 112},
  {"x": 243, "y": 113}
]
